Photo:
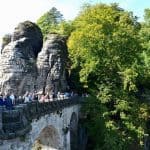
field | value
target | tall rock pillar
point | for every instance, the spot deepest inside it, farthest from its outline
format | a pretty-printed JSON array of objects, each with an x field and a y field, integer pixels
[{"x": 51, "y": 64}]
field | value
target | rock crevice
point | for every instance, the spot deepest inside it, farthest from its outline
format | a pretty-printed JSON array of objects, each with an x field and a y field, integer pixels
[{"x": 51, "y": 63}]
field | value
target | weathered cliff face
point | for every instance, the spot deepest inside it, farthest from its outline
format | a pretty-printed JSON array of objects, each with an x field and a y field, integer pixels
[
  {"x": 18, "y": 59},
  {"x": 33, "y": 36},
  {"x": 25, "y": 67},
  {"x": 51, "y": 63}
]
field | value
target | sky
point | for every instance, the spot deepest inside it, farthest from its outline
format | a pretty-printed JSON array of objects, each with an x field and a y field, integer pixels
[{"x": 14, "y": 11}]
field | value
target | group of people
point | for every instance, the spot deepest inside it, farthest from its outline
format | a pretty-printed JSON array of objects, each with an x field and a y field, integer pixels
[
  {"x": 59, "y": 96},
  {"x": 10, "y": 99},
  {"x": 29, "y": 97},
  {"x": 7, "y": 100}
]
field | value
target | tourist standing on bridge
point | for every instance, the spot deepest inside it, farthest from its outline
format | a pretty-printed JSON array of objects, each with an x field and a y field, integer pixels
[
  {"x": 26, "y": 97},
  {"x": 8, "y": 102},
  {"x": 46, "y": 98},
  {"x": 35, "y": 96},
  {"x": 58, "y": 95},
  {"x": 20, "y": 99},
  {"x": 30, "y": 96},
  {"x": 12, "y": 97},
  {"x": 42, "y": 98}
]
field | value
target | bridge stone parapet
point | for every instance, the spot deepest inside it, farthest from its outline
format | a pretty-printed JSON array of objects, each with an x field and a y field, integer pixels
[{"x": 17, "y": 122}]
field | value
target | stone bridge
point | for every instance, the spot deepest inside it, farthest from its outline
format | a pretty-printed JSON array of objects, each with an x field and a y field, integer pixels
[{"x": 47, "y": 126}]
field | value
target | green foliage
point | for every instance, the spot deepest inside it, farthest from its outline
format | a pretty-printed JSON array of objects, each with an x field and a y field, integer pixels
[
  {"x": 147, "y": 16},
  {"x": 53, "y": 21},
  {"x": 94, "y": 121},
  {"x": 65, "y": 28},
  {"x": 129, "y": 78},
  {"x": 49, "y": 21},
  {"x": 144, "y": 63},
  {"x": 105, "y": 47}
]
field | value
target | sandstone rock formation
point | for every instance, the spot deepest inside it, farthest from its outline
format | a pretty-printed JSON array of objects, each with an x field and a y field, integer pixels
[
  {"x": 18, "y": 59},
  {"x": 25, "y": 67},
  {"x": 32, "y": 33},
  {"x": 51, "y": 63}
]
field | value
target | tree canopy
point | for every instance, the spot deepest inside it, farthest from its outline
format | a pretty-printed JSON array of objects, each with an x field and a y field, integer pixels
[
  {"x": 110, "y": 59},
  {"x": 105, "y": 48},
  {"x": 49, "y": 21}
]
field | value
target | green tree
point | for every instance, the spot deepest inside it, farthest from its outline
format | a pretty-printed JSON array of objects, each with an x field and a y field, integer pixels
[
  {"x": 144, "y": 36},
  {"x": 105, "y": 47},
  {"x": 147, "y": 16},
  {"x": 65, "y": 28},
  {"x": 49, "y": 21}
]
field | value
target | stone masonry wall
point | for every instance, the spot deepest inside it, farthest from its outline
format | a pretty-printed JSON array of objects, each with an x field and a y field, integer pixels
[{"x": 59, "y": 117}]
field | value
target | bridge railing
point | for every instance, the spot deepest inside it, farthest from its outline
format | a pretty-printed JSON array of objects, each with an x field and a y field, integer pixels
[{"x": 17, "y": 122}]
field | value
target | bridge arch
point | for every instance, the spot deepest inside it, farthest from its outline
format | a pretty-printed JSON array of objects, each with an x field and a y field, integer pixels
[
  {"x": 74, "y": 132},
  {"x": 57, "y": 120},
  {"x": 48, "y": 138}
]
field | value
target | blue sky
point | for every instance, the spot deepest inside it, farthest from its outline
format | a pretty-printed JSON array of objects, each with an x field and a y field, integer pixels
[
  {"x": 137, "y": 6},
  {"x": 14, "y": 11}
]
